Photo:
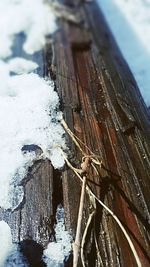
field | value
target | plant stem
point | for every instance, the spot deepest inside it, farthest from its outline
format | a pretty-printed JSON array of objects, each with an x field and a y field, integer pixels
[{"x": 77, "y": 243}]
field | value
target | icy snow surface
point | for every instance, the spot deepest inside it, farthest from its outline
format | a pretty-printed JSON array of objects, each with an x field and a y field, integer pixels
[
  {"x": 20, "y": 65},
  {"x": 33, "y": 18},
  {"x": 129, "y": 21},
  {"x": 55, "y": 254},
  {"x": 6, "y": 245},
  {"x": 10, "y": 256},
  {"x": 28, "y": 103},
  {"x": 28, "y": 116},
  {"x": 57, "y": 251}
]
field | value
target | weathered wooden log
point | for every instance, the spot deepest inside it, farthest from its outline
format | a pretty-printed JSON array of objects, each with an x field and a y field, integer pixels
[{"x": 104, "y": 108}]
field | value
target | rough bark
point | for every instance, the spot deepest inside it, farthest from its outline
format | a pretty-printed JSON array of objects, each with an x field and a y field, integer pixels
[{"x": 103, "y": 107}]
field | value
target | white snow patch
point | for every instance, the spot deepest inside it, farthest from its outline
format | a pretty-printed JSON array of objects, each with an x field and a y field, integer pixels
[
  {"x": 56, "y": 158},
  {"x": 34, "y": 18},
  {"x": 6, "y": 245},
  {"x": 28, "y": 116},
  {"x": 57, "y": 252},
  {"x": 21, "y": 66},
  {"x": 15, "y": 259},
  {"x": 28, "y": 103},
  {"x": 130, "y": 24},
  {"x": 9, "y": 253}
]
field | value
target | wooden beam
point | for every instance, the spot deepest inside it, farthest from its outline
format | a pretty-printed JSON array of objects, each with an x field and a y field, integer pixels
[{"x": 103, "y": 107}]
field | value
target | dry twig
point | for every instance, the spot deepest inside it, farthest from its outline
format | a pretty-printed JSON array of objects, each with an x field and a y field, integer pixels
[
  {"x": 94, "y": 160},
  {"x": 77, "y": 243}
]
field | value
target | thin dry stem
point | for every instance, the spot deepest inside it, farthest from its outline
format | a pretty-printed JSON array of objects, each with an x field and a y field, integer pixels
[
  {"x": 84, "y": 236},
  {"x": 109, "y": 211},
  {"x": 95, "y": 160},
  {"x": 72, "y": 135},
  {"x": 122, "y": 228},
  {"x": 77, "y": 243}
]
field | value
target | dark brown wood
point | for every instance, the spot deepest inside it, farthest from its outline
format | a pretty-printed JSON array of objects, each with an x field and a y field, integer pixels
[
  {"x": 103, "y": 106},
  {"x": 34, "y": 218}
]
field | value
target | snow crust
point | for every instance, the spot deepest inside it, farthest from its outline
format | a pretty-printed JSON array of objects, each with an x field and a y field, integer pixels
[
  {"x": 34, "y": 18},
  {"x": 130, "y": 25},
  {"x": 29, "y": 116},
  {"x": 29, "y": 113},
  {"x": 15, "y": 258},
  {"x": 57, "y": 252},
  {"x": 20, "y": 65},
  {"x": 6, "y": 245},
  {"x": 10, "y": 256}
]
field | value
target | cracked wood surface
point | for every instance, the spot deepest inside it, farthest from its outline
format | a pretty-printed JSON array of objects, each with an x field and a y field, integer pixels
[
  {"x": 103, "y": 107},
  {"x": 34, "y": 217}
]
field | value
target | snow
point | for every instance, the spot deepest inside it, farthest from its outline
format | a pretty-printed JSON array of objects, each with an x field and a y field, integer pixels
[
  {"x": 34, "y": 18},
  {"x": 15, "y": 259},
  {"x": 28, "y": 116},
  {"x": 10, "y": 256},
  {"x": 6, "y": 245},
  {"x": 29, "y": 106},
  {"x": 54, "y": 255},
  {"x": 20, "y": 65},
  {"x": 130, "y": 24},
  {"x": 57, "y": 252}
]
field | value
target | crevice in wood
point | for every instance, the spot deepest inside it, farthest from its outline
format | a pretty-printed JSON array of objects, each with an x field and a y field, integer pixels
[
  {"x": 57, "y": 196},
  {"x": 112, "y": 128}
]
